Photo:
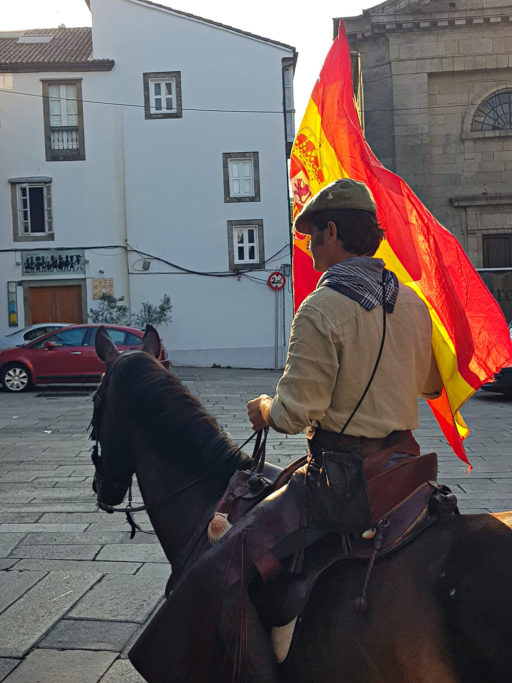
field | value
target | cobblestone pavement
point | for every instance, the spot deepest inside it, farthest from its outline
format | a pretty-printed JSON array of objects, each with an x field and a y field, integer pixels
[{"x": 74, "y": 590}]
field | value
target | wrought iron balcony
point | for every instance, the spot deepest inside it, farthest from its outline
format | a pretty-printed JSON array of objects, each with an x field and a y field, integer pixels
[{"x": 64, "y": 142}]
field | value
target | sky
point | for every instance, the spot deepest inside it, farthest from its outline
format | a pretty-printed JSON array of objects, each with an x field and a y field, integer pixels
[{"x": 293, "y": 23}]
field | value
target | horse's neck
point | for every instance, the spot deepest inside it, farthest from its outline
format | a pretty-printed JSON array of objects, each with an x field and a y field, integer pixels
[{"x": 175, "y": 518}]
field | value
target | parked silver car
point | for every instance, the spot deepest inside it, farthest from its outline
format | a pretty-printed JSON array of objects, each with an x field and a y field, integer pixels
[{"x": 27, "y": 334}]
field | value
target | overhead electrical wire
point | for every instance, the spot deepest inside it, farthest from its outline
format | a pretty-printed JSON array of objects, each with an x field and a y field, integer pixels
[{"x": 142, "y": 106}]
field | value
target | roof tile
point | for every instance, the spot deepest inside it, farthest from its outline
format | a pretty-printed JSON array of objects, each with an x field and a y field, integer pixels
[{"x": 67, "y": 45}]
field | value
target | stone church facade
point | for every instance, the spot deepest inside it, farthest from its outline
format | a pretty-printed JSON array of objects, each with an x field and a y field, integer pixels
[{"x": 437, "y": 79}]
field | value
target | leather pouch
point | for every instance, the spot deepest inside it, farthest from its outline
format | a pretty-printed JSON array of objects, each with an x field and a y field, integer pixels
[
  {"x": 247, "y": 488},
  {"x": 343, "y": 504}
]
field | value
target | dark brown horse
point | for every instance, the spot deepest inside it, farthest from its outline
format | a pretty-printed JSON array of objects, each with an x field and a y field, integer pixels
[{"x": 440, "y": 609}]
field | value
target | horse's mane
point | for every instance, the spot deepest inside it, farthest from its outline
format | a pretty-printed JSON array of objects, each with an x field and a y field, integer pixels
[{"x": 173, "y": 420}]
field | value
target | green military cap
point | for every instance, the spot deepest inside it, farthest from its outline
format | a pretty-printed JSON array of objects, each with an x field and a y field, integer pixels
[{"x": 344, "y": 193}]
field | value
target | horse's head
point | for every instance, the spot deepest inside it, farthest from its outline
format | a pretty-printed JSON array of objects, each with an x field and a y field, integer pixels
[{"x": 114, "y": 466}]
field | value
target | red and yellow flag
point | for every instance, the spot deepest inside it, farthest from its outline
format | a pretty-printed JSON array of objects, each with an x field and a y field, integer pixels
[{"x": 470, "y": 336}]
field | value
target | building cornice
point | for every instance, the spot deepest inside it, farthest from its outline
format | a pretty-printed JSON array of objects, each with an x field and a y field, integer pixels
[
  {"x": 367, "y": 24},
  {"x": 36, "y": 67},
  {"x": 481, "y": 200}
]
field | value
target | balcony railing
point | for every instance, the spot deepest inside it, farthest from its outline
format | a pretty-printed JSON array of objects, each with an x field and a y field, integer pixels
[{"x": 64, "y": 142}]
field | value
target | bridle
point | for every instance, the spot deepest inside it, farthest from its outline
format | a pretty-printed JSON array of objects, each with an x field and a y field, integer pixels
[{"x": 98, "y": 462}]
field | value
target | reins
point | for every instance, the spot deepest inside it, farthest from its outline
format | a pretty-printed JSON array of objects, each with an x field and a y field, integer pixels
[{"x": 129, "y": 509}]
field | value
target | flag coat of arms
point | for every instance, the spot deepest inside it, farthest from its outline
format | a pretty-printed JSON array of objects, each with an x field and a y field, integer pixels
[{"x": 470, "y": 336}]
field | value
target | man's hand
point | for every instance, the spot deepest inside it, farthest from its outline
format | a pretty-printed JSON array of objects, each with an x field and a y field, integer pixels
[{"x": 258, "y": 411}]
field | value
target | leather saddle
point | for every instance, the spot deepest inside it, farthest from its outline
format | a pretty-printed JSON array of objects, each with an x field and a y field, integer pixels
[{"x": 405, "y": 500}]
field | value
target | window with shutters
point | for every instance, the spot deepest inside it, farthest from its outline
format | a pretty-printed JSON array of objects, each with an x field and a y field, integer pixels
[
  {"x": 162, "y": 95},
  {"x": 289, "y": 109},
  {"x": 245, "y": 244},
  {"x": 497, "y": 250},
  {"x": 63, "y": 120},
  {"x": 32, "y": 209},
  {"x": 241, "y": 176},
  {"x": 288, "y": 103}
]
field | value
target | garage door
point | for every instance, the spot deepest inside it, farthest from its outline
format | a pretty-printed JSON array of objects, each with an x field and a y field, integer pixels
[{"x": 62, "y": 304}]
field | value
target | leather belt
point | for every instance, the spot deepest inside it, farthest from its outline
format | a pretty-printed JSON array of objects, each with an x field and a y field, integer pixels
[{"x": 321, "y": 439}]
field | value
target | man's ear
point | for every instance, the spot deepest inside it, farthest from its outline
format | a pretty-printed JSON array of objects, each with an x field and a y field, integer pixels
[{"x": 332, "y": 231}]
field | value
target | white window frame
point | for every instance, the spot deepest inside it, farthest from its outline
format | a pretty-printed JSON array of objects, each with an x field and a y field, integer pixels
[
  {"x": 246, "y": 244},
  {"x": 241, "y": 178},
  {"x": 153, "y": 96},
  {"x": 170, "y": 110},
  {"x": 64, "y": 100},
  {"x": 252, "y": 248},
  {"x": 241, "y": 171},
  {"x": 23, "y": 212},
  {"x": 64, "y": 141}
]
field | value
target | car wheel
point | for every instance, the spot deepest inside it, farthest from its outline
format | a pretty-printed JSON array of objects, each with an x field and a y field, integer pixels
[{"x": 16, "y": 377}]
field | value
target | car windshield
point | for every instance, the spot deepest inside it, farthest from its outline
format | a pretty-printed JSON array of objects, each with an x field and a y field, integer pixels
[{"x": 11, "y": 334}]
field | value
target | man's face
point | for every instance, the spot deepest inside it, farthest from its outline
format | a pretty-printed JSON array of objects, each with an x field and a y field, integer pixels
[{"x": 317, "y": 247}]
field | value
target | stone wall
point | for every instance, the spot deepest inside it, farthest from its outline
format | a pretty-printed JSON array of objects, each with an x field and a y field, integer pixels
[{"x": 423, "y": 82}]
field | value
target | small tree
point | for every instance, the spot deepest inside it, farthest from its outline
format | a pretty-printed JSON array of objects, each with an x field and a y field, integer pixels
[
  {"x": 154, "y": 315},
  {"x": 110, "y": 310}
]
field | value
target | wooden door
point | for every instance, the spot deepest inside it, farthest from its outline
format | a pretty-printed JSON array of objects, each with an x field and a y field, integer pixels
[{"x": 60, "y": 304}]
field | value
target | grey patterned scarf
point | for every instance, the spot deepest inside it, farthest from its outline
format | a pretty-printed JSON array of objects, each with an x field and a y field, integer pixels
[{"x": 360, "y": 278}]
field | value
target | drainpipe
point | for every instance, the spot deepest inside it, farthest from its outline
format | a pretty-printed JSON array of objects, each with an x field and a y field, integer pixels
[{"x": 125, "y": 215}]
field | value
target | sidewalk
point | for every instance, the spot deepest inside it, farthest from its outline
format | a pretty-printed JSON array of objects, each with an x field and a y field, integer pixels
[{"x": 74, "y": 590}]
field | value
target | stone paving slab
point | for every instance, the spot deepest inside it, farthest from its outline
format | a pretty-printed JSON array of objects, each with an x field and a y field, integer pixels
[
  {"x": 51, "y": 507},
  {"x": 140, "y": 552},
  {"x": 7, "y": 564},
  {"x": 24, "y": 622},
  {"x": 57, "y": 666},
  {"x": 57, "y": 552},
  {"x": 63, "y": 538},
  {"x": 121, "y": 671},
  {"x": 8, "y": 541},
  {"x": 7, "y": 664},
  {"x": 77, "y": 634},
  {"x": 130, "y": 598},
  {"x": 15, "y": 584},
  {"x": 20, "y": 528},
  {"x": 76, "y": 566}
]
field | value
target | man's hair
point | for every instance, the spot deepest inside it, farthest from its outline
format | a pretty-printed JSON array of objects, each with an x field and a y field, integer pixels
[{"x": 359, "y": 230}]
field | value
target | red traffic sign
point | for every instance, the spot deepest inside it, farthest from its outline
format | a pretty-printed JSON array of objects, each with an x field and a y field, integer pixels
[{"x": 276, "y": 280}]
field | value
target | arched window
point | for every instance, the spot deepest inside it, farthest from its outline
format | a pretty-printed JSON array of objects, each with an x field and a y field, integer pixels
[{"x": 494, "y": 113}]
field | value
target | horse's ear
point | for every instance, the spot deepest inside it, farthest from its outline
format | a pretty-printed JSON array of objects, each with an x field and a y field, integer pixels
[
  {"x": 151, "y": 341},
  {"x": 106, "y": 350}
]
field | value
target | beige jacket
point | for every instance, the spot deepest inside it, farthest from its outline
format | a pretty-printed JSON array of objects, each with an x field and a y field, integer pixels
[{"x": 333, "y": 347}]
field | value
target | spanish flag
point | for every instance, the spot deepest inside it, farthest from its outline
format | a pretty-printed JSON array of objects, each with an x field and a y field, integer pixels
[{"x": 470, "y": 337}]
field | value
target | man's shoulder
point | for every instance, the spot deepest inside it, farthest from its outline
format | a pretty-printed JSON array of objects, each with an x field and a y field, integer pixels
[
  {"x": 324, "y": 296},
  {"x": 327, "y": 303},
  {"x": 408, "y": 297}
]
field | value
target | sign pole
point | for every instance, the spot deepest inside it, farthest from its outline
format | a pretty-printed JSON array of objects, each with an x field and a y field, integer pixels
[
  {"x": 276, "y": 330},
  {"x": 276, "y": 282}
]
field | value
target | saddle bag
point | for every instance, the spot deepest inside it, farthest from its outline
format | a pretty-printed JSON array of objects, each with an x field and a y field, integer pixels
[
  {"x": 247, "y": 488},
  {"x": 338, "y": 499}
]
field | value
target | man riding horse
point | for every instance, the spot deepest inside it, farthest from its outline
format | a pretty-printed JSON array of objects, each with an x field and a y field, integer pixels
[{"x": 359, "y": 355}]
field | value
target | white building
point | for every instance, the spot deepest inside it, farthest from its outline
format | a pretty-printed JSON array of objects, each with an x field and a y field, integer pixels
[{"x": 144, "y": 156}]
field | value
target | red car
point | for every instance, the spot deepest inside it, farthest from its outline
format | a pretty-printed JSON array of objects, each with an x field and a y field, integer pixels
[{"x": 65, "y": 356}]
